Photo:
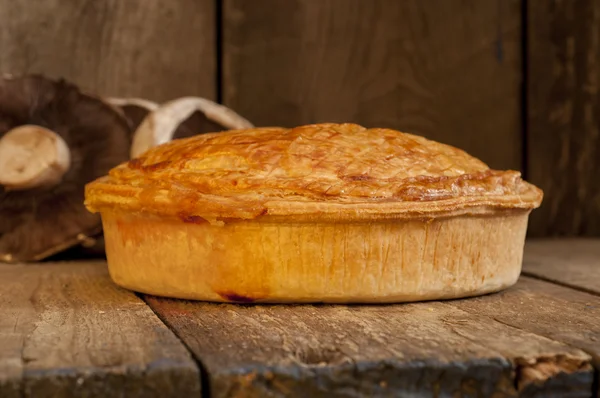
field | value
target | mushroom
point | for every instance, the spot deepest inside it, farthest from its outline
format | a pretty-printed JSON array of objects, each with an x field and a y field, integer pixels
[
  {"x": 153, "y": 124},
  {"x": 134, "y": 109},
  {"x": 183, "y": 117},
  {"x": 53, "y": 140}
]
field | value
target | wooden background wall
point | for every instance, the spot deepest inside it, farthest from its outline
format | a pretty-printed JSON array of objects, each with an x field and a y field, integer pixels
[{"x": 513, "y": 83}]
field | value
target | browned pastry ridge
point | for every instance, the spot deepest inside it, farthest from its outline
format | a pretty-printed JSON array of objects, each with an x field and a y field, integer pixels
[
  {"x": 317, "y": 213},
  {"x": 326, "y": 169}
]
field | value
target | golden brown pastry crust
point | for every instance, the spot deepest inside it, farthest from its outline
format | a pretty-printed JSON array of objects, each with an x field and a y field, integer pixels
[{"x": 316, "y": 171}]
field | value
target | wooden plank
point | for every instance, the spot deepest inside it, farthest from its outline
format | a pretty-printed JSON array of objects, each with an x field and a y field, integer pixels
[
  {"x": 11, "y": 342},
  {"x": 571, "y": 262},
  {"x": 557, "y": 312},
  {"x": 66, "y": 330},
  {"x": 563, "y": 115},
  {"x": 149, "y": 48},
  {"x": 412, "y": 65},
  {"x": 425, "y": 349}
]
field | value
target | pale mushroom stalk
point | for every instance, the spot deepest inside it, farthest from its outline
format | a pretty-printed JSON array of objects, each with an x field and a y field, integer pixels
[
  {"x": 160, "y": 125},
  {"x": 32, "y": 156},
  {"x": 148, "y": 105},
  {"x": 134, "y": 110}
]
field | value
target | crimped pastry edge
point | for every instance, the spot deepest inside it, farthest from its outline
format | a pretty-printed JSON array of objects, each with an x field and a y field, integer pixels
[{"x": 101, "y": 197}]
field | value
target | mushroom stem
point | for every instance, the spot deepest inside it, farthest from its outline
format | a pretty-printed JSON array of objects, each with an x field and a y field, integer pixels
[
  {"x": 32, "y": 156},
  {"x": 160, "y": 125}
]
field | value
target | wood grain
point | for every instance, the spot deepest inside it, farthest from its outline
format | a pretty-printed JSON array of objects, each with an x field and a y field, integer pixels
[
  {"x": 563, "y": 115},
  {"x": 12, "y": 333},
  {"x": 450, "y": 75},
  {"x": 66, "y": 330},
  {"x": 557, "y": 312},
  {"x": 153, "y": 49},
  {"x": 572, "y": 262},
  {"x": 426, "y": 349}
]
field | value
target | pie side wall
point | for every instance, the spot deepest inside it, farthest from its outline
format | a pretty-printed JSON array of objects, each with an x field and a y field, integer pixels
[{"x": 245, "y": 261}]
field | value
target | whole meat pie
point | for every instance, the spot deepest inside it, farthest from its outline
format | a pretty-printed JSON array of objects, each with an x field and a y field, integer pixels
[{"x": 318, "y": 213}]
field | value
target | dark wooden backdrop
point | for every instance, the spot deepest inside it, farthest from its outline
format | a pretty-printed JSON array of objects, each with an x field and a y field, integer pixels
[{"x": 512, "y": 82}]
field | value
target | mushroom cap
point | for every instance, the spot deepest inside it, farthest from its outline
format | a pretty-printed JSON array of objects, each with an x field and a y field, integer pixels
[{"x": 38, "y": 222}]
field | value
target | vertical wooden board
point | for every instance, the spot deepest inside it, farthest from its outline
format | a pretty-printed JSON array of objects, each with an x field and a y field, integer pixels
[
  {"x": 425, "y": 349},
  {"x": 66, "y": 330},
  {"x": 563, "y": 111},
  {"x": 572, "y": 262},
  {"x": 448, "y": 70},
  {"x": 148, "y": 48}
]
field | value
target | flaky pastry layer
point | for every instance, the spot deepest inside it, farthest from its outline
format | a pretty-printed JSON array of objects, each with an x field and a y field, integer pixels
[{"x": 321, "y": 170}]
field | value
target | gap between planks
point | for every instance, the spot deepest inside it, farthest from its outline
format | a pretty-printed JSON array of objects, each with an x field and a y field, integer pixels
[
  {"x": 573, "y": 286},
  {"x": 204, "y": 379}
]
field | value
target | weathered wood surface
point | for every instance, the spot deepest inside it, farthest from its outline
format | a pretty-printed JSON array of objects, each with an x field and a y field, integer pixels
[
  {"x": 563, "y": 115},
  {"x": 152, "y": 48},
  {"x": 451, "y": 76},
  {"x": 557, "y": 312},
  {"x": 425, "y": 349},
  {"x": 66, "y": 330},
  {"x": 571, "y": 262}
]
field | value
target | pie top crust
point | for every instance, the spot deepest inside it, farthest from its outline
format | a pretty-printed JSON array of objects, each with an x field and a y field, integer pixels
[{"x": 314, "y": 172}]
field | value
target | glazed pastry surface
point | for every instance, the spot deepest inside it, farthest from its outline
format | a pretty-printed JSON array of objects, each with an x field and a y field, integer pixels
[{"x": 323, "y": 170}]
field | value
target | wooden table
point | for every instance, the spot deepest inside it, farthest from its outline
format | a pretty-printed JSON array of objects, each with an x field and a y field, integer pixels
[{"x": 66, "y": 330}]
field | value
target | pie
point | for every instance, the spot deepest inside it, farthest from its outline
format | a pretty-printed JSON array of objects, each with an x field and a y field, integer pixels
[{"x": 334, "y": 213}]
